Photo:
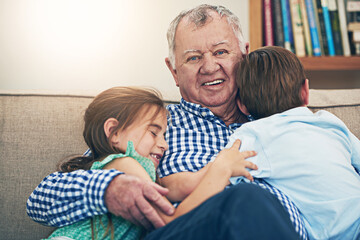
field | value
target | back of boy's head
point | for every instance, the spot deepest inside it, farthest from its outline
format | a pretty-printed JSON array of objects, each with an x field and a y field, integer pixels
[
  {"x": 125, "y": 104},
  {"x": 270, "y": 80}
]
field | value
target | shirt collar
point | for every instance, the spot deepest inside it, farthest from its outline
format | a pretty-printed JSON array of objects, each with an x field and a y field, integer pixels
[
  {"x": 297, "y": 111},
  {"x": 204, "y": 113}
]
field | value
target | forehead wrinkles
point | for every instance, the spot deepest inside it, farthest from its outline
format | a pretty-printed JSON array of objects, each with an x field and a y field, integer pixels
[{"x": 213, "y": 45}]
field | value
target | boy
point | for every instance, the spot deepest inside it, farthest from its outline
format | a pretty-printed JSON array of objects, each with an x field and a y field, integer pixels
[{"x": 312, "y": 158}]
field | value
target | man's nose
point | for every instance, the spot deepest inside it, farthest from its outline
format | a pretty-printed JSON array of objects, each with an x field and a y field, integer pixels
[{"x": 209, "y": 64}]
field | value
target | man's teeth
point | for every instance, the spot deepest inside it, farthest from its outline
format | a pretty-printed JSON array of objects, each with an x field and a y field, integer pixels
[{"x": 213, "y": 82}]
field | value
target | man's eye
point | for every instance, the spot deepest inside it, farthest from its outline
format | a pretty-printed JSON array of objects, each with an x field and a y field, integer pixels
[
  {"x": 193, "y": 58},
  {"x": 153, "y": 133},
  {"x": 220, "y": 52}
]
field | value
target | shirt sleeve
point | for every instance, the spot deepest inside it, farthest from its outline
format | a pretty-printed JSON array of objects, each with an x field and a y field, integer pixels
[
  {"x": 355, "y": 156},
  {"x": 65, "y": 198}
]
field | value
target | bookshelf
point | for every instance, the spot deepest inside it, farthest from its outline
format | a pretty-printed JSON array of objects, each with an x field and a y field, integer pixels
[{"x": 337, "y": 63}]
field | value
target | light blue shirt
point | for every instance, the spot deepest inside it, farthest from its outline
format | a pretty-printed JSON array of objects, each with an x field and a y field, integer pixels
[{"x": 312, "y": 159}]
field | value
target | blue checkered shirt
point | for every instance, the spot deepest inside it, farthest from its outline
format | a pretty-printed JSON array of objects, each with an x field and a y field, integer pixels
[
  {"x": 65, "y": 198},
  {"x": 195, "y": 136}
]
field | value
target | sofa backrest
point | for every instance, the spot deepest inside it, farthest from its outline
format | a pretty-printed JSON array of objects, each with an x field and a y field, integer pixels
[
  {"x": 345, "y": 104},
  {"x": 38, "y": 130}
]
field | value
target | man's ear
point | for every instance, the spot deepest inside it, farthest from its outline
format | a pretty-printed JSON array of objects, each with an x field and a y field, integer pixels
[
  {"x": 172, "y": 70},
  {"x": 247, "y": 48},
  {"x": 242, "y": 107},
  {"x": 109, "y": 125},
  {"x": 305, "y": 92}
]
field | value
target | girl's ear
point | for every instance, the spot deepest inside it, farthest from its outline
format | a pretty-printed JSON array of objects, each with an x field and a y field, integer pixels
[
  {"x": 305, "y": 92},
  {"x": 109, "y": 126}
]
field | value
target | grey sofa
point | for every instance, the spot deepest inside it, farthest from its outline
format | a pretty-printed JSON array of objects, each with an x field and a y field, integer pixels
[{"x": 39, "y": 129}]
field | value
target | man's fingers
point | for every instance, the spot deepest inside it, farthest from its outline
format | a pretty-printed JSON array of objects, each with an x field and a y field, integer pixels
[
  {"x": 138, "y": 218},
  {"x": 158, "y": 200},
  {"x": 163, "y": 191},
  {"x": 150, "y": 214}
]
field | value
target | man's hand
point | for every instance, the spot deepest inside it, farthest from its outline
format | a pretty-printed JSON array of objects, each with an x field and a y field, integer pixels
[{"x": 131, "y": 197}]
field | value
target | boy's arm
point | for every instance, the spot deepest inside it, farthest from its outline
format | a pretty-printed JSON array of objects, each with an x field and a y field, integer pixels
[
  {"x": 64, "y": 198},
  {"x": 355, "y": 156}
]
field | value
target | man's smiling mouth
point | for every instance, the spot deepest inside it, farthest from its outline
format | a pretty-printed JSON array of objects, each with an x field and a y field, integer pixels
[{"x": 216, "y": 82}]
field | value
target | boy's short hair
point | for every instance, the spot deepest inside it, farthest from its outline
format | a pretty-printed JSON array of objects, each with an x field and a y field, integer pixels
[{"x": 270, "y": 81}]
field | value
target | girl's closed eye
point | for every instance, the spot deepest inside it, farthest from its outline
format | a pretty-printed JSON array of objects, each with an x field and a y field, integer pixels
[{"x": 154, "y": 130}]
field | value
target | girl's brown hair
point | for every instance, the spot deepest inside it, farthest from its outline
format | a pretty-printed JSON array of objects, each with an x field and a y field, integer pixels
[
  {"x": 270, "y": 81},
  {"x": 122, "y": 103}
]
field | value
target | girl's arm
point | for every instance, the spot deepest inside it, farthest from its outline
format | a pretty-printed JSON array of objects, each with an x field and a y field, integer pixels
[
  {"x": 181, "y": 184},
  {"x": 230, "y": 162}
]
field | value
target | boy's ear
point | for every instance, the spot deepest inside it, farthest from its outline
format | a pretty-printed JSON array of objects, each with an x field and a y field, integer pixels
[
  {"x": 305, "y": 92},
  {"x": 109, "y": 126},
  {"x": 242, "y": 107}
]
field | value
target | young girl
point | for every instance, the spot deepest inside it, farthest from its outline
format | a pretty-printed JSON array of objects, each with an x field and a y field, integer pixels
[{"x": 124, "y": 129}]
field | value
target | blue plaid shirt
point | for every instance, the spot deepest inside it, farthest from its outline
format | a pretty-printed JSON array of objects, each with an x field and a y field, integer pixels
[
  {"x": 65, "y": 198},
  {"x": 195, "y": 136}
]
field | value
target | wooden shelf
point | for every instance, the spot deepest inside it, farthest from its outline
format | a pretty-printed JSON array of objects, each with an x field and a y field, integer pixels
[{"x": 338, "y": 63}]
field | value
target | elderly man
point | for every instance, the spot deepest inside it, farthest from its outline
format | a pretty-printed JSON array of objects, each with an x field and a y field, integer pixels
[{"x": 205, "y": 46}]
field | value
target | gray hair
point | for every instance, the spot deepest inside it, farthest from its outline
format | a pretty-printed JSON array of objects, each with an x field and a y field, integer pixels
[{"x": 199, "y": 16}]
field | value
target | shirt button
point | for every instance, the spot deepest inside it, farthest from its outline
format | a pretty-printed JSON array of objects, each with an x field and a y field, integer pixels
[
  {"x": 98, "y": 209},
  {"x": 204, "y": 114},
  {"x": 68, "y": 219}
]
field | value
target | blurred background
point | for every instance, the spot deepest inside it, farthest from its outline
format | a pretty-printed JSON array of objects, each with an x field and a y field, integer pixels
[{"x": 91, "y": 45}]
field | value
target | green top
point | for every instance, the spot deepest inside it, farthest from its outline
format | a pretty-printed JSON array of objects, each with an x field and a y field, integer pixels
[{"x": 123, "y": 229}]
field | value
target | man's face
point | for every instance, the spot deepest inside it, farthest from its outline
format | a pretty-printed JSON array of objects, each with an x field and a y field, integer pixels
[{"x": 205, "y": 60}]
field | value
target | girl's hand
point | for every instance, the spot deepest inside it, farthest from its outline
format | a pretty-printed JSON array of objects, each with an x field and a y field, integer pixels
[{"x": 234, "y": 161}]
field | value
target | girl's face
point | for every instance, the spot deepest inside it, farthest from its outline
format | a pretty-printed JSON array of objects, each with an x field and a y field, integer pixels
[{"x": 147, "y": 133}]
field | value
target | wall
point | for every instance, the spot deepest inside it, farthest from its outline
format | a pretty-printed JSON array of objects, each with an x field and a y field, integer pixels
[{"x": 87, "y": 44}]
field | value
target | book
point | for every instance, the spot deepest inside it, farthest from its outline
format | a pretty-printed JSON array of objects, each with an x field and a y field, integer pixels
[
  {"x": 304, "y": 17},
  {"x": 313, "y": 28},
  {"x": 298, "y": 30},
  {"x": 328, "y": 28},
  {"x": 268, "y": 23},
  {"x": 334, "y": 18},
  {"x": 353, "y": 10},
  {"x": 321, "y": 27},
  {"x": 343, "y": 27},
  {"x": 277, "y": 22},
  {"x": 287, "y": 25}
]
